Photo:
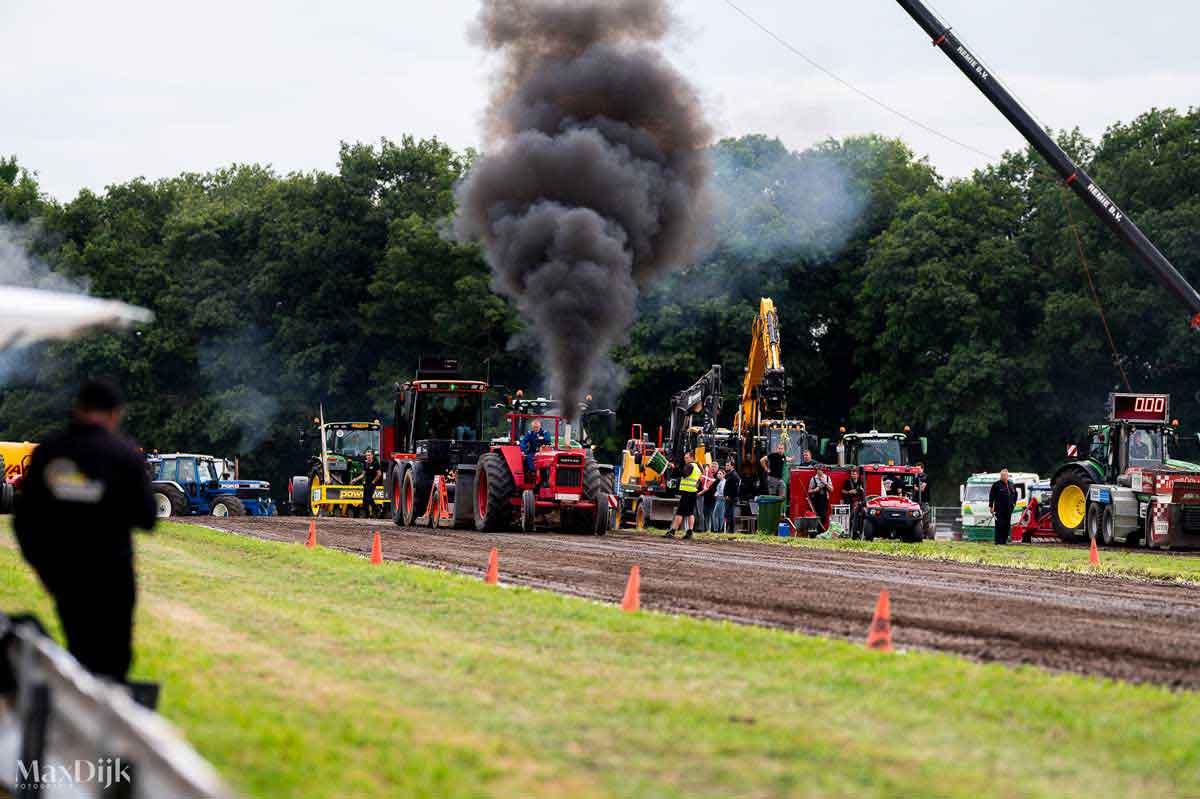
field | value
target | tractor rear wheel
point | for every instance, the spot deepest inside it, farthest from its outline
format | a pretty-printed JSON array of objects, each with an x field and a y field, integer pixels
[
  {"x": 300, "y": 496},
  {"x": 494, "y": 487},
  {"x": 228, "y": 505},
  {"x": 1108, "y": 527},
  {"x": 169, "y": 501},
  {"x": 595, "y": 479},
  {"x": 1068, "y": 505},
  {"x": 408, "y": 498}
]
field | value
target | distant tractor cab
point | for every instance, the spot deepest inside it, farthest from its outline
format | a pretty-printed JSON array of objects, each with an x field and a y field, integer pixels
[
  {"x": 332, "y": 482},
  {"x": 1127, "y": 488},
  {"x": 438, "y": 428},
  {"x": 194, "y": 485}
]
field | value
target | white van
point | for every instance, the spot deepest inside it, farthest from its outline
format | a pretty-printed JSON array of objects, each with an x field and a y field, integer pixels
[{"x": 977, "y": 521}]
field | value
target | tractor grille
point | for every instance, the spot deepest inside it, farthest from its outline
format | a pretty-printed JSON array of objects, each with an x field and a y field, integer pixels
[
  {"x": 569, "y": 478},
  {"x": 1189, "y": 518}
]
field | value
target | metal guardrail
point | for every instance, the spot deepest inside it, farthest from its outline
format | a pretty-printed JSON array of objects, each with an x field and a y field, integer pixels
[
  {"x": 947, "y": 522},
  {"x": 66, "y": 734}
]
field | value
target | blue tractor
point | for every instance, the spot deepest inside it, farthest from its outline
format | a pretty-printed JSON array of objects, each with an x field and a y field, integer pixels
[{"x": 200, "y": 485}]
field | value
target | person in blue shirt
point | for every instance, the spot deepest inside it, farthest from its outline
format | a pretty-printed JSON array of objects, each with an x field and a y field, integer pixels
[{"x": 534, "y": 439}]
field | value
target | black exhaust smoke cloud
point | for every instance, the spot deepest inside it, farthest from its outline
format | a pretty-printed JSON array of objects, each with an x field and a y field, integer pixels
[{"x": 595, "y": 179}]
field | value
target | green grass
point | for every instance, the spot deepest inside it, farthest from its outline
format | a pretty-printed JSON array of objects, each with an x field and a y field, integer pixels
[
  {"x": 1118, "y": 561},
  {"x": 313, "y": 674}
]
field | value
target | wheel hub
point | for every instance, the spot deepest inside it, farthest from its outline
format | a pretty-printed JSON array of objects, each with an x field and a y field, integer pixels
[{"x": 1072, "y": 506}]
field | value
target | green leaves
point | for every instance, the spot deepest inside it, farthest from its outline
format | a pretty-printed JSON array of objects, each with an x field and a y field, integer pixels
[{"x": 959, "y": 307}]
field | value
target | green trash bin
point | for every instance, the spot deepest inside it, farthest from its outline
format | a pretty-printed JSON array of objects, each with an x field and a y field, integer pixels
[{"x": 769, "y": 510}]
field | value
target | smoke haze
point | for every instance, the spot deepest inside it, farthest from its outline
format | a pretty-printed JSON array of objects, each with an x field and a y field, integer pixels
[
  {"x": 19, "y": 267},
  {"x": 596, "y": 179}
]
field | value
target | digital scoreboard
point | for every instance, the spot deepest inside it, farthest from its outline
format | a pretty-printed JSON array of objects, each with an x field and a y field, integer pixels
[{"x": 1152, "y": 408}]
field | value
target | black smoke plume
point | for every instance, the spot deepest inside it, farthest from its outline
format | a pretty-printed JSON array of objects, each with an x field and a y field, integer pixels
[{"x": 595, "y": 179}]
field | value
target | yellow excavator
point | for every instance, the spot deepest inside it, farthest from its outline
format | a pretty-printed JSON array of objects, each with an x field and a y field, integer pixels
[{"x": 762, "y": 421}]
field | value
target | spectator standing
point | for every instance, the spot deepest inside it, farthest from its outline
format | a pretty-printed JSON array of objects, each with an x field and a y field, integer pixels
[
  {"x": 819, "y": 488},
  {"x": 1001, "y": 501},
  {"x": 689, "y": 486},
  {"x": 716, "y": 517},
  {"x": 773, "y": 466},
  {"x": 85, "y": 491},
  {"x": 854, "y": 494},
  {"x": 704, "y": 498},
  {"x": 732, "y": 491}
]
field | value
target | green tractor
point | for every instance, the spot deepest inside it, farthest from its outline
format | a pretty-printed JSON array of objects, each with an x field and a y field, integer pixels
[{"x": 1126, "y": 488}]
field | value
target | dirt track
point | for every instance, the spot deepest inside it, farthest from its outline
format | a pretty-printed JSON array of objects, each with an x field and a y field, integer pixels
[{"x": 1126, "y": 629}]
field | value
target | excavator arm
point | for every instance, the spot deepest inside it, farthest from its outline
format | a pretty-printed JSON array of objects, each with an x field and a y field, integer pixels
[
  {"x": 702, "y": 397},
  {"x": 764, "y": 390},
  {"x": 1095, "y": 198}
]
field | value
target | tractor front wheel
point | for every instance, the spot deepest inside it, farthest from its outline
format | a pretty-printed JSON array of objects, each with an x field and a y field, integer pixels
[
  {"x": 641, "y": 514},
  {"x": 1069, "y": 505},
  {"x": 494, "y": 487},
  {"x": 228, "y": 505},
  {"x": 602, "y": 520},
  {"x": 528, "y": 511}
]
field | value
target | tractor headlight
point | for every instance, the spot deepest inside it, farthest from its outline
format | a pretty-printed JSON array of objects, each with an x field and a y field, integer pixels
[
  {"x": 916, "y": 514},
  {"x": 874, "y": 511}
]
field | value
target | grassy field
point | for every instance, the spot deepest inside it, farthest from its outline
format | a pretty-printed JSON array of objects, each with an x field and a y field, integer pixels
[
  {"x": 313, "y": 674},
  {"x": 1117, "y": 561}
]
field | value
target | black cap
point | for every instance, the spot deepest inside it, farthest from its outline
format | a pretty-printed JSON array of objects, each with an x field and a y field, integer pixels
[{"x": 99, "y": 394}]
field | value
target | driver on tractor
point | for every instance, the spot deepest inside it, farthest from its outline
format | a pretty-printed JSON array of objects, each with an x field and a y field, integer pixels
[{"x": 534, "y": 439}]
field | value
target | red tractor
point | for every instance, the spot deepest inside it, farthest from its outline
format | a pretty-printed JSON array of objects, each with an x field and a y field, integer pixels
[{"x": 565, "y": 490}]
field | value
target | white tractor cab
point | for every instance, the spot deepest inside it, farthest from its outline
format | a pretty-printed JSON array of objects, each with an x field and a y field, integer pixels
[{"x": 978, "y": 524}]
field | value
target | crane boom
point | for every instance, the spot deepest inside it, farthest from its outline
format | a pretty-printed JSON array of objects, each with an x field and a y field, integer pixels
[
  {"x": 1095, "y": 198},
  {"x": 765, "y": 387}
]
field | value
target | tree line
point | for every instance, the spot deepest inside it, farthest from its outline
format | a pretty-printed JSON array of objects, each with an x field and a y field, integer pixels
[{"x": 958, "y": 307}]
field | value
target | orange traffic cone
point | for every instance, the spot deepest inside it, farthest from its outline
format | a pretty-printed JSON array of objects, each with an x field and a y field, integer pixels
[
  {"x": 880, "y": 636},
  {"x": 376, "y": 550},
  {"x": 632, "y": 600},
  {"x": 312, "y": 534},
  {"x": 1094, "y": 554},
  {"x": 493, "y": 571}
]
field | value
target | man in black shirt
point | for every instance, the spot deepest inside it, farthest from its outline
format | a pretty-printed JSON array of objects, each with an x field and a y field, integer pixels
[
  {"x": 733, "y": 486},
  {"x": 854, "y": 494},
  {"x": 773, "y": 464},
  {"x": 85, "y": 490},
  {"x": 369, "y": 478},
  {"x": 1001, "y": 501}
]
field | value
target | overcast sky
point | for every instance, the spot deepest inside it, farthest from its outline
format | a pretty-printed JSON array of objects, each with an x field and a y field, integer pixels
[{"x": 95, "y": 93}]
